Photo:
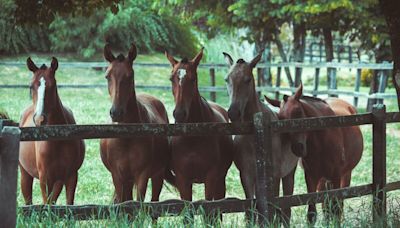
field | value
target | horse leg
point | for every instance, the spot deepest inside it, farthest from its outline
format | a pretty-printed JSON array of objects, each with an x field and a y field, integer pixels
[
  {"x": 337, "y": 203},
  {"x": 142, "y": 180},
  {"x": 185, "y": 191},
  {"x": 26, "y": 185},
  {"x": 275, "y": 191},
  {"x": 311, "y": 187},
  {"x": 288, "y": 187},
  {"x": 156, "y": 186},
  {"x": 324, "y": 185},
  {"x": 46, "y": 187},
  {"x": 247, "y": 177},
  {"x": 118, "y": 193},
  {"x": 57, "y": 187},
  {"x": 70, "y": 188}
]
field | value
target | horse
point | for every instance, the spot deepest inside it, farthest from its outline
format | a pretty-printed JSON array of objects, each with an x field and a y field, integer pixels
[
  {"x": 132, "y": 161},
  {"x": 197, "y": 159},
  {"x": 244, "y": 103},
  {"x": 327, "y": 155},
  {"x": 54, "y": 163}
]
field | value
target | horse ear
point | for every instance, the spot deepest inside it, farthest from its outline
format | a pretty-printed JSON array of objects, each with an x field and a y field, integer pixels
[
  {"x": 31, "y": 65},
  {"x": 54, "y": 63},
  {"x": 285, "y": 97},
  {"x": 196, "y": 60},
  {"x": 256, "y": 59},
  {"x": 171, "y": 59},
  {"x": 132, "y": 53},
  {"x": 273, "y": 102},
  {"x": 108, "y": 55},
  {"x": 228, "y": 58},
  {"x": 299, "y": 92}
]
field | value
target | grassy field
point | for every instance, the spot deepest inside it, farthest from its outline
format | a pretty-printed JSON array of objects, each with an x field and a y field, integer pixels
[{"x": 91, "y": 106}]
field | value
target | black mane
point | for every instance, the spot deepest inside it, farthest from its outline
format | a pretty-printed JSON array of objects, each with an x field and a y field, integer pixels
[
  {"x": 120, "y": 58},
  {"x": 185, "y": 60},
  {"x": 240, "y": 61},
  {"x": 312, "y": 99},
  {"x": 43, "y": 67}
]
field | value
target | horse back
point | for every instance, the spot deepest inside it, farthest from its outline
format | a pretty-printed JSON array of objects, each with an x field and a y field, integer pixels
[
  {"x": 156, "y": 112},
  {"x": 352, "y": 136},
  {"x": 220, "y": 113}
]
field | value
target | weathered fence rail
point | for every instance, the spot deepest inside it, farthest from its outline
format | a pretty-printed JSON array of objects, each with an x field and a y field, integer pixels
[
  {"x": 331, "y": 67},
  {"x": 262, "y": 128}
]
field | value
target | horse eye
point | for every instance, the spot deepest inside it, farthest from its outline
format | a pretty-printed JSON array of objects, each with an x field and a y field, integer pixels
[
  {"x": 171, "y": 79},
  {"x": 226, "y": 80}
]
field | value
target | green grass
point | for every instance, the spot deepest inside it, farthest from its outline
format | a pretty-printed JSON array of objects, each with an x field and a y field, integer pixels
[{"x": 91, "y": 106}]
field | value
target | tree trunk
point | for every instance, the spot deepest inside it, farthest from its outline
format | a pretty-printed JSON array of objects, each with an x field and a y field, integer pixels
[
  {"x": 328, "y": 41},
  {"x": 299, "y": 40},
  {"x": 260, "y": 47},
  {"x": 283, "y": 57},
  {"x": 391, "y": 10}
]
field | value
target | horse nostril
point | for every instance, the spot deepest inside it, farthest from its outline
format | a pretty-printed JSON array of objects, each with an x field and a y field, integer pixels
[
  {"x": 179, "y": 115},
  {"x": 116, "y": 114}
]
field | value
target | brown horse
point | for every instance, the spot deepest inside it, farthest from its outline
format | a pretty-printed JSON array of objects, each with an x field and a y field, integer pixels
[
  {"x": 244, "y": 103},
  {"x": 55, "y": 163},
  {"x": 329, "y": 154},
  {"x": 132, "y": 161},
  {"x": 197, "y": 159}
]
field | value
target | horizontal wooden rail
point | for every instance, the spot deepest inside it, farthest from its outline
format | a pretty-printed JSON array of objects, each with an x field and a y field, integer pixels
[
  {"x": 319, "y": 197},
  {"x": 155, "y": 209},
  {"x": 392, "y": 186},
  {"x": 318, "y": 123},
  {"x": 374, "y": 66},
  {"x": 64, "y": 132}
]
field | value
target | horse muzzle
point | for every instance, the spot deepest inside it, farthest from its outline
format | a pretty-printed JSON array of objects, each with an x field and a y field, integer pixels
[
  {"x": 180, "y": 115},
  {"x": 233, "y": 114},
  {"x": 39, "y": 120},
  {"x": 116, "y": 114}
]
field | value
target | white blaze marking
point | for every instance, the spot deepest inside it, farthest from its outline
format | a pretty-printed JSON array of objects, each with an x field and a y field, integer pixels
[
  {"x": 181, "y": 75},
  {"x": 40, "y": 97}
]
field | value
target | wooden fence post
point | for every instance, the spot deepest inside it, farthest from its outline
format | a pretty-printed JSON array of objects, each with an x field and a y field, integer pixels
[
  {"x": 316, "y": 82},
  {"x": 213, "y": 95},
  {"x": 357, "y": 87},
  {"x": 264, "y": 180},
  {"x": 278, "y": 82},
  {"x": 379, "y": 161},
  {"x": 9, "y": 153},
  {"x": 382, "y": 84}
]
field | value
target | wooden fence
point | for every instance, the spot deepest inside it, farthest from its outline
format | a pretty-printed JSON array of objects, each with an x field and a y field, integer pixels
[
  {"x": 262, "y": 127},
  {"x": 383, "y": 70}
]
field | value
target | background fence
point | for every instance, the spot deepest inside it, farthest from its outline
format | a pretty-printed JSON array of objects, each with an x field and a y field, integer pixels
[
  {"x": 262, "y": 128},
  {"x": 382, "y": 69}
]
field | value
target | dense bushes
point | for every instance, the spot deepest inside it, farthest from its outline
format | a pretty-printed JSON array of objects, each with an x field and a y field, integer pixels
[
  {"x": 16, "y": 39},
  {"x": 135, "y": 22}
]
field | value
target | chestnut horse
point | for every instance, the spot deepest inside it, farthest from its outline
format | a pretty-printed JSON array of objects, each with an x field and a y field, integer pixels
[
  {"x": 197, "y": 159},
  {"x": 328, "y": 154},
  {"x": 132, "y": 161},
  {"x": 55, "y": 163},
  {"x": 244, "y": 103}
]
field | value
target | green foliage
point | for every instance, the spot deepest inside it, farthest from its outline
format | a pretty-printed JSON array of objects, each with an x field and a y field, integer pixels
[
  {"x": 19, "y": 38},
  {"x": 367, "y": 76},
  {"x": 135, "y": 22}
]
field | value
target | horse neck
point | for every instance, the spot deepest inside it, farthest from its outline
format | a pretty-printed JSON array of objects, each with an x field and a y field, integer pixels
[
  {"x": 312, "y": 110},
  {"x": 253, "y": 106},
  {"x": 200, "y": 110},
  {"x": 57, "y": 114}
]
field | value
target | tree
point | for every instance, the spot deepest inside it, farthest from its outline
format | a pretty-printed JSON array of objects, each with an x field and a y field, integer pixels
[
  {"x": 44, "y": 11},
  {"x": 391, "y": 10}
]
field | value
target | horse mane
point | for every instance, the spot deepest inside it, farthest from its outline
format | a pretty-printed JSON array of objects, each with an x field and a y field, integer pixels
[
  {"x": 185, "y": 60},
  {"x": 312, "y": 99},
  {"x": 240, "y": 61},
  {"x": 120, "y": 58},
  {"x": 43, "y": 67}
]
